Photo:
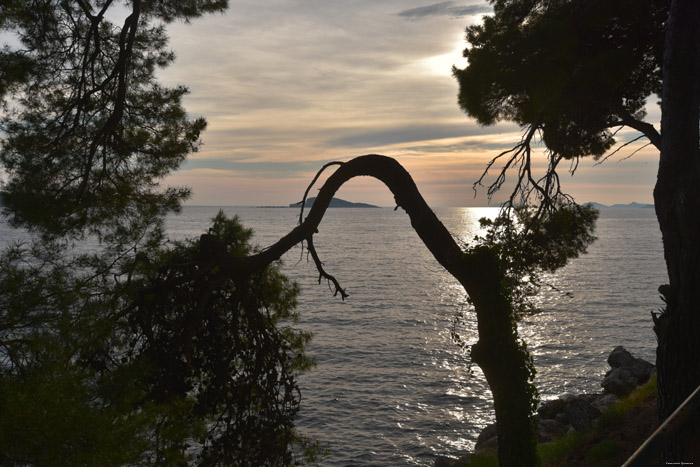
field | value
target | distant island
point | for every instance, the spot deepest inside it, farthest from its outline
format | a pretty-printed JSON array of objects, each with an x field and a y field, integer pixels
[
  {"x": 335, "y": 203},
  {"x": 629, "y": 205}
]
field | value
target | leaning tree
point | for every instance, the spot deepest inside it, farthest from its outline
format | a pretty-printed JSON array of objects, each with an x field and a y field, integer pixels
[
  {"x": 576, "y": 72},
  {"x": 491, "y": 270}
]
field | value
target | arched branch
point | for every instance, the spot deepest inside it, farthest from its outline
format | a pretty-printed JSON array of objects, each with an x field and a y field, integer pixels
[
  {"x": 308, "y": 188},
  {"x": 429, "y": 228},
  {"x": 647, "y": 129}
]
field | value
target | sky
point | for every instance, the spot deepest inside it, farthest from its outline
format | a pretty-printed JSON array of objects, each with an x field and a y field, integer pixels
[{"x": 288, "y": 85}]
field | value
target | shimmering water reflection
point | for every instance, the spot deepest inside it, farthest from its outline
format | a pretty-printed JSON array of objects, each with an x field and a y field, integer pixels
[{"x": 392, "y": 387}]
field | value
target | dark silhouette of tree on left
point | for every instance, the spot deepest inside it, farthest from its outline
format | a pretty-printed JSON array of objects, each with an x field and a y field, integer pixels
[{"x": 86, "y": 376}]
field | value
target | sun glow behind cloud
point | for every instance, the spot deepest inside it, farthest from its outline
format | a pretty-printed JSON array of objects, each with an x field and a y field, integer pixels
[{"x": 287, "y": 86}]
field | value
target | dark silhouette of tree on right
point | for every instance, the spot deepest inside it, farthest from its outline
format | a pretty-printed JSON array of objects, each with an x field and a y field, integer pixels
[{"x": 575, "y": 72}]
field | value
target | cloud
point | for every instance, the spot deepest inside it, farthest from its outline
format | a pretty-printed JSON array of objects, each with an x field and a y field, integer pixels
[
  {"x": 252, "y": 168},
  {"x": 287, "y": 85},
  {"x": 413, "y": 133},
  {"x": 445, "y": 9}
]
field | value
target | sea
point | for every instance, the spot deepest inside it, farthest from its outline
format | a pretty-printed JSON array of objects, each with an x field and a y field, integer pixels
[{"x": 391, "y": 386}]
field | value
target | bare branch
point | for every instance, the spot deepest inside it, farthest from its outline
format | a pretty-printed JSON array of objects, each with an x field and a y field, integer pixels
[
  {"x": 622, "y": 147},
  {"x": 120, "y": 71},
  {"x": 647, "y": 129},
  {"x": 635, "y": 152},
  {"x": 306, "y": 193},
  {"x": 322, "y": 273},
  {"x": 429, "y": 228}
]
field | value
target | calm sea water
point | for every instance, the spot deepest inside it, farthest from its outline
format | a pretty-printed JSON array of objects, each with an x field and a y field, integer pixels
[{"x": 391, "y": 387}]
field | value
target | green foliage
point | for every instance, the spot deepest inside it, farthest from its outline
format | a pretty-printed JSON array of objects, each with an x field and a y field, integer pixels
[
  {"x": 226, "y": 341},
  {"x": 573, "y": 69},
  {"x": 530, "y": 242},
  {"x": 616, "y": 413},
  {"x": 555, "y": 452},
  {"x": 126, "y": 352},
  {"x": 66, "y": 395},
  {"x": 87, "y": 131},
  {"x": 601, "y": 453},
  {"x": 174, "y": 363}
]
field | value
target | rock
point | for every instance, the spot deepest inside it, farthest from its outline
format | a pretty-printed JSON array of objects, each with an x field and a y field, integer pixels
[
  {"x": 490, "y": 444},
  {"x": 578, "y": 411},
  {"x": 626, "y": 374},
  {"x": 489, "y": 432},
  {"x": 619, "y": 381},
  {"x": 550, "y": 409},
  {"x": 603, "y": 401},
  {"x": 620, "y": 357},
  {"x": 442, "y": 461},
  {"x": 562, "y": 418},
  {"x": 548, "y": 430},
  {"x": 581, "y": 414}
]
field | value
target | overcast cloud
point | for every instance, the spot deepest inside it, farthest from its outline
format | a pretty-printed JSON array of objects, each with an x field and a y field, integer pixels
[
  {"x": 287, "y": 85},
  {"x": 445, "y": 9}
]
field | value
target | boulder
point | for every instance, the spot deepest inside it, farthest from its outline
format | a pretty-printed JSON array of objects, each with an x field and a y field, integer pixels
[
  {"x": 581, "y": 414},
  {"x": 548, "y": 430},
  {"x": 442, "y": 461},
  {"x": 550, "y": 409},
  {"x": 577, "y": 411},
  {"x": 603, "y": 401},
  {"x": 488, "y": 438},
  {"x": 626, "y": 374}
]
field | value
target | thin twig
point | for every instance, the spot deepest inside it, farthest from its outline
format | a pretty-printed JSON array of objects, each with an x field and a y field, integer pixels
[
  {"x": 306, "y": 193},
  {"x": 322, "y": 272}
]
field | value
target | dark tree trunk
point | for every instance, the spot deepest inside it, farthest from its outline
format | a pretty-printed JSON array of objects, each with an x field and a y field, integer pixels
[
  {"x": 498, "y": 351},
  {"x": 502, "y": 359},
  {"x": 677, "y": 200}
]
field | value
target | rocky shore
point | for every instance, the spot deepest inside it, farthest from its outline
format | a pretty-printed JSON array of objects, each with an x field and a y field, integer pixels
[{"x": 579, "y": 412}]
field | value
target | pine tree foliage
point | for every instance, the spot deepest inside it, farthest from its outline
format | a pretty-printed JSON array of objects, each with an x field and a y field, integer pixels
[
  {"x": 114, "y": 348},
  {"x": 575, "y": 70},
  {"x": 87, "y": 131}
]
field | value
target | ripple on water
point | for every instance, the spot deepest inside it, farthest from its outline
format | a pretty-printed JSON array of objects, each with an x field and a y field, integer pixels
[{"x": 391, "y": 387}]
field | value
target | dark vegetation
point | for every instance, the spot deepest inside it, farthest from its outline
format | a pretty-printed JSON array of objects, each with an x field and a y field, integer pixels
[
  {"x": 573, "y": 73},
  {"x": 136, "y": 352}
]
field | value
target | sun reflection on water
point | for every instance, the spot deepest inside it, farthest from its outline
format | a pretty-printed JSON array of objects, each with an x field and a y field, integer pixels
[{"x": 468, "y": 226}]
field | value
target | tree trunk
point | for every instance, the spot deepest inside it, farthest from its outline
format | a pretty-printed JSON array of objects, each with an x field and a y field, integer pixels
[
  {"x": 677, "y": 200},
  {"x": 502, "y": 359},
  {"x": 498, "y": 352}
]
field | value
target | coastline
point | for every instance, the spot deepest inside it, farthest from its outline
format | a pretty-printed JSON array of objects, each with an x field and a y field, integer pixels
[{"x": 573, "y": 415}]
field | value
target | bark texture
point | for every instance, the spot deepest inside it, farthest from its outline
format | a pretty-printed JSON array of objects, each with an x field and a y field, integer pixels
[
  {"x": 498, "y": 351},
  {"x": 677, "y": 200}
]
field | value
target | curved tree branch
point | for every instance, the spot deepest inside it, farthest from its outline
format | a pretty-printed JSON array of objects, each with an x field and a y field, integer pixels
[
  {"x": 308, "y": 188},
  {"x": 429, "y": 228},
  {"x": 498, "y": 351},
  {"x": 647, "y": 129}
]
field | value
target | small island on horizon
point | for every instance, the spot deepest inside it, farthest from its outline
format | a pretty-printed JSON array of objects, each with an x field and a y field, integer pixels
[
  {"x": 628, "y": 205},
  {"x": 335, "y": 203}
]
